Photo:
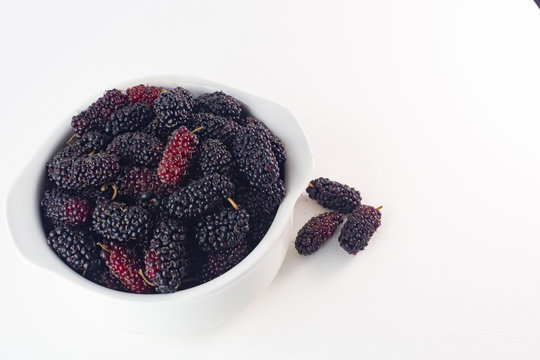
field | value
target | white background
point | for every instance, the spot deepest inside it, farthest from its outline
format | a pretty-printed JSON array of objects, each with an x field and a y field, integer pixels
[{"x": 429, "y": 107}]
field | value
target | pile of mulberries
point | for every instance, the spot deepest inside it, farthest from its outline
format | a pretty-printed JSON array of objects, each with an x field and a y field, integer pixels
[
  {"x": 158, "y": 190},
  {"x": 361, "y": 224}
]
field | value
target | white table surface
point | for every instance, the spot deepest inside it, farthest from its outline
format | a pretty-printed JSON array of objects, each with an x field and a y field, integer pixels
[{"x": 430, "y": 108}]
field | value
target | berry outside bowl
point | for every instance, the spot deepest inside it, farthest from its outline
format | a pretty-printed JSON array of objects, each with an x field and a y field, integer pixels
[{"x": 188, "y": 311}]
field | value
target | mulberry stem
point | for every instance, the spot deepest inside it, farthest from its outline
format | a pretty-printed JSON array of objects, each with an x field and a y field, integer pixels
[
  {"x": 71, "y": 139},
  {"x": 197, "y": 129},
  {"x": 233, "y": 203},
  {"x": 379, "y": 208},
  {"x": 145, "y": 279}
]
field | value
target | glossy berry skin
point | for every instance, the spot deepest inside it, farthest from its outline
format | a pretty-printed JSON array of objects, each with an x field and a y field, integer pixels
[
  {"x": 254, "y": 157},
  {"x": 137, "y": 149},
  {"x": 65, "y": 209},
  {"x": 123, "y": 263},
  {"x": 130, "y": 118},
  {"x": 219, "y": 103},
  {"x": 199, "y": 197},
  {"x": 213, "y": 157},
  {"x": 76, "y": 247},
  {"x": 81, "y": 173},
  {"x": 333, "y": 195},
  {"x": 143, "y": 94},
  {"x": 222, "y": 230},
  {"x": 118, "y": 221},
  {"x": 219, "y": 263},
  {"x": 258, "y": 227},
  {"x": 166, "y": 260},
  {"x": 215, "y": 127},
  {"x": 96, "y": 116},
  {"x": 316, "y": 231},
  {"x": 359, "y": 228},
  {"x": 173, "y": 108},
  {"x": 177, "y": 156}
]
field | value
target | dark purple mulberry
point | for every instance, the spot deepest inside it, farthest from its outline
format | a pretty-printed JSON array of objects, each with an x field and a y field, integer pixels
[
  {"x": 215, "y": 127},
  {"x": 76, "y": 247},
  {"x": 254, "y": 157},
  {"x": 213, "y": 157},
  {"x": 199, "y": 197},
  {"x": 278, "y": 148},
  {"x": 222, "y": 230},
  {"x": 219, "y": 103},
  {"x": 173, "y": 108},
  {"x": 137, "y": 149},
  {"x": 130, "y": 118},
  {"x": 96, "y": 116},
  {"x": 360, "y": 226},
  {"x": 333, "y": 195},
  {"x": 118, "y": 221},
  {"x": 263, "y": 201},
  {"x": 65, "y": 209},
  {"x": 221, "y": 262},
  {"x": 316, "y": 231}
]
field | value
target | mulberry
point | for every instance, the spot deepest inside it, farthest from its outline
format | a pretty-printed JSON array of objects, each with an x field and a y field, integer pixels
[
  {"x": 213, "y": 157},
  {"x": 177, "y": 155},
  {"x": 219, "y": 103},
  {"x": 316, "y": 231},
  {"x": 174, "y": 107},
  {"x": 96, "y": 116},
  {"x": 65, "y": 209},
  {"x": 118, "y": 221},
  {"x": 333, "y": 195},
  {"x": 75, "y": 247},
  {"x": 128, "y": 119},
  {"x": 137, "y": 149},
  {"x": 124, "y": 265},
  {"x": 222, "y": 230},
  {"x": 143, "y": 94},
  {"x": 360, "y": 226}
]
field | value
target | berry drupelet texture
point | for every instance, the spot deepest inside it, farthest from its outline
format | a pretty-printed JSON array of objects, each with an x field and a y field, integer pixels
[
  {"x": 166, "y": 260},
  {"x": 81, "y": 173},
  {"x": 124, "y": 264},
  {"x": 173, "y": 108},
  {"x": 75, "y": 247},
  {"x": 65, "y": 209},
  {"x": 133, "y": 181},
  {"x": 221, "y": 262},
  {"x": 177, "y": 156},
  {"x": 128, "y": 119},
  {"x": 254, "y": 157},
  {"x": 143, "y": 94},
  {"x": 215, "y": 127},
  {"x": 96, "y": 116},
  {"x": 137, "y": 149},
  {"x": 360, "y": 226},
  {"x": 213, "y": 157},
  {"x": 199, "y": 197},
  {"x": 222, "y": 230},
  {"x": 316, "y": 231},
  {"x": 118, "y": 221},
  {"x": 81, "y": 145},
  {"x": 219, "y": 103},
  {"x": 258, "y": 227},
  {"x": 333, "y": 195},
  {"x": 263, "y": 201},
  {"x": 278, "y": 148}
]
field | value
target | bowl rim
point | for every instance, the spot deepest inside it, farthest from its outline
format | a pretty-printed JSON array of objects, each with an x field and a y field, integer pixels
[{"x": 285, "y": 210}]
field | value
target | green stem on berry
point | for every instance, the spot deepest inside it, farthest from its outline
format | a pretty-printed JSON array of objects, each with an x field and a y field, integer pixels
[
  {"x": 379, "y": 208},
  {"x": 197, "y": 129},
  {"x": 233, "y": 203},
  {"x": 103, "y": 247},
  {"x": 145, "y": 279},
  {"x": 71, "y": 139}
]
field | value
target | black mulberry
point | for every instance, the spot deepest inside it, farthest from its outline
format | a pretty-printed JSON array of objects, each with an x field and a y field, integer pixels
[
  {"x": 137, "y": 149},
  {"x": 128, "y": 119},
  {"x": 219, "y": 103},
  {"x": 65, "y": 209},
  {"x": 213, "y": 157},
  {"x": 316, "y": 231},
  {"x": 222, "y": 230},
  {"x": 360, "y": 226},
  {"x": 173, "y": 108},
  {"x": 333, "y": 195},
  {"x": 118, "y": 221},
  {"x": 77, "y": 248},
  {"x": 96, "y": 116}
]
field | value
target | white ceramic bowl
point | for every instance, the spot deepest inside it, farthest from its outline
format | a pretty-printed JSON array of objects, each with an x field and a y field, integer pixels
[{"x": 187, "y": 311}]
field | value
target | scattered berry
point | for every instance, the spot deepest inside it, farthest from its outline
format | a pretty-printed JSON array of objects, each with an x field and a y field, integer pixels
[
  {"x": 118, "y": 221},
  {"x": 75, "y": 247},
  {"x": 166, "y": 260},
  {"x": 143, "y": 94},
  {"x": 124, "y": 265},
  {"x": 316, "y": 231},
  {"x": 137, "y": 149},
  {"x": 221, "y": 262},
  {"x": 130, "y": 118},
  {"x": 219, "y": 103},
  {"x": 96, "y": 116},
  {"x": 81, "y": 173},
  {"x": 177, "y": 155},
  {"x": 199, "y": 197},
  {"x": 333, "y": 195},
  {"x": 173, "y": 108},
  {"x": 360, "y": 226},
  {"x": 65, "y": 209},
  {"x": 222, "y": 230},
  {"x": 254, "y": 157},
  {"x": 213, "y": 157}
]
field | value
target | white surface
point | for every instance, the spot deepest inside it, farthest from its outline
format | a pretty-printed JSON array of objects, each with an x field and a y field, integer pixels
[
  {"x": 184, "y": 312},
  {"x": 430, "y": 108}
]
